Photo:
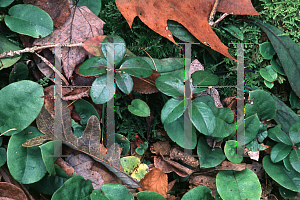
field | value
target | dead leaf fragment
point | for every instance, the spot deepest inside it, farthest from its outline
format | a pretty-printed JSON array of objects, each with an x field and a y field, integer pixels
[
  {"x": 177, "y": 154},
  {"x": 226, "y": 165},
  {"x": 68, "y": 169},
  {"x": 145, "y": 85},
  {"x": 161, "y": 147},
  {"x": 204, "y": 180},
  {"x": 156, "y": 181},
  {"x": 10, "y": 191}
]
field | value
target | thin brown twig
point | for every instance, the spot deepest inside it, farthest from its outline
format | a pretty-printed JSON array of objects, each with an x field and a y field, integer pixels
[
  {"x": 213, "y": 12},
  {"x": 222, "y": 17}
]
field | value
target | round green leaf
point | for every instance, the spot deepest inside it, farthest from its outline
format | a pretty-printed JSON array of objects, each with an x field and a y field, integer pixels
[
  {"x": 170, "y": 85},
  {"x": 93, "y": 66},
  {"x": 116, "y": 191},
  {"x": 149, "y": 195},
  {"x": 263, "y": 105},
  {"x": 19, "y": 72},
  {"x": 172, "y": 110},
  {"x": 200, "y": 192},
  {"x": 285, "y": 178},
  {"x": 180, "y": 32},
  {"x": 85, "y": 110},
  {"x": 268, "y": 73},
  {"x": 203, "y": 118},
  {"x": 287, "y": 194},
  {"x": 6, "y": 46},
  {"x": 99, "y": 92},
  {"x": 238, "y": 185},
  {"x": 232, "y": 151},
  {"x": 129, "y": 163},
  {"x": 202, "y": 78},
  {"x": 119, "y": 48},
  {"x": 25, "y": 103},
  {"x": 136, "y": 66},
  {"x": 294, "y": 159},
  {"x": 266, "y": 50},
  {"x": 48, "y": 153},
  {"x": 74, "y": 188},
  {"x": 124, "y": 82},
  {"x": 209, "y": 157},
  {"x": 140, "y": 150},
  {"x": 3, "y": 156},
  {"x": 5, "y": 3},
  {"x": 29, "y": 20},
  {"x": 139, "y": 108},
  {"x": 279, "y": 152},
  {"x": 294, "y": 132},
  {"x": 294, "y": 100},
  {"x": 276, "y": 65},
  {"x": 251, "y": 128},
  {"x": 175, "y": 131},
  {"x": 269, "y": 84},
  {"x": 25, "y": 163},
  {"x": 123, "y": 142}
]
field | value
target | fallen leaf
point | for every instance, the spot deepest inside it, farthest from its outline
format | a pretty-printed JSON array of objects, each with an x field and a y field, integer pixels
[
  {"x": 156, "y": 181},
  {"x": 204, "y": 180},
  {"x": 161, "y": 147},
  {"x": 226, "y": 165},
  {"x": 188, "y": 159},
  {"x": 68, "y": 169},
  {"x": 257, "y": 168},
  {"x": 192, "y": 14},
  {"x": 145, "y": 85},
  {"x": 81, "y": 25},
  {"x": 10, "y": 191}
]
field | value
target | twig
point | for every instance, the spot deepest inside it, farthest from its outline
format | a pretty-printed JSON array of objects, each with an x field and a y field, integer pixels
[
  {"x": 77, "y": 96},
  {"x": 36, "y": 48},
  {"x": 213, "y": 12},
  {"x": 53, "y": 68},
  {"x": 222, "y": 17}
]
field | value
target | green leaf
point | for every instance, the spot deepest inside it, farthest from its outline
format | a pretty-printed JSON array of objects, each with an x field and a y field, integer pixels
[
  {"x": 25, "y": 103},
  {"x": 279, "y": 152},
  {"x": 129, "y": 163},
  {"x": 268, "y": 73},
  {"x": 25, "y": 163},
  {"x": 287, "y": 51},
  {"x": 285, "y": 178},
  {"x": 119, "y": 48},
  {"x": 74, "y": 188},
  {"x": 200, "y": 192},
  {"x": 294, "y": 159},
  {"x": 278, "y": 135},
  {"x": 124, "y": 82},
  {"x": 99, "y": 92},
  {"x": 294, "y": 132},
  {"x": 204, "y": 78},
  {"x": 139, "y": 108},
  {"x": 203, "y": 118},
  {"x": 85, "y": 110},
  {"x": 255, "y": 146},
  {"x": 172, "y": 110},
  {"x": 94, "y": 6},
  {"x": 269, "y": 84},
  {"x": 5, "y": 3},
  {"x": 93, "y": 66},
  {"x": 232, "y": 151},
  {"x": 3, "y": 156},
  {"x": 180, "y": 31},
  {"x": 48, "y": 153},
  {"x": 123, "y": 142},
  {"x": 284, "y": 115},
  {"x": 251, "y": 128},
  {"x": 116, "y": 191},
  {"x": 287, "y": 194},
  {"x": 287, "y": 163},
  {"x": 294, "y": 100},
  {"x": 78, "y": 129},
  {"x": 238, "y": 185},
  {"x": 140, "y": 172},
  {"x": 19, "y": 72},
  {"x": 266, "y": 50},
  {"x": 175, "y": 131},
  {"x": 234, "y": 31},
  {"x": 209, "y": 157},
  {"x": 170, "y": 85},
  {"x": 136, "y": 66},
  {"x": 276, "y": 65},
  {"x": 6, "y": 46},
  {"x": 149, "y": 195},
  {"x": 29, "y": 20},
  {"x": 263, "y": 105}
]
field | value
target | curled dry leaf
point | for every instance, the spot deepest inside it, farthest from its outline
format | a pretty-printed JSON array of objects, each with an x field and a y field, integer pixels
[
  {"x": 10, "y": 191},
  {"x": 177, "y": 154},
  {"x": 155, "y": 181},
  {"x": 161, "y": 147},
  {"x": 226, "y": 165}
]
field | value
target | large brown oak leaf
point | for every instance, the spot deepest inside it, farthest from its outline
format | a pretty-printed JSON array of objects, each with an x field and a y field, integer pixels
[{"x": 192, "y": 14}]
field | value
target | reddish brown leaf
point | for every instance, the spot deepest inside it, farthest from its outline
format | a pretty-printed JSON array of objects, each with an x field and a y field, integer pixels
[
  {"x": 192, "y": 14},
  {"x": 93, "y": 45},
  {"x": 10, "y": 191},
  {"x": 226, "y": 165},
  {"x": 145, "y": 85}
]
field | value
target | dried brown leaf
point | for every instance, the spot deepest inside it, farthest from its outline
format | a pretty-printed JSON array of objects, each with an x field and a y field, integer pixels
[
  {"x": 11, "y": 191},
  {"x": 161, "y": 147},
  {"x": 145, "y": 85},
  {"x": 188, "y": 159},
  {"x": 226, "y": 165}
]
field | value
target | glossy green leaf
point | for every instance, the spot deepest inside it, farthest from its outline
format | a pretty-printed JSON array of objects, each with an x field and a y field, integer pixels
[
  {"x": 94, "y": 6},
  {"x": 294, "y": 159},
  {"x": 203, "y": 118},
  {"x": 18, "y": 73},
  {"x": 24, "y": 105},
  {"x": 279, "y": 152},
  {"x": 6, "y": 46},
  {"x": 288, "y": 53},
  {"x": 234, "y": 31},
  {"x": 119, "y": 48},
  {"x": 116, "y": 191},
  {"x": 294, "y": 132},
  {"x": 287, "y": 163},
  {"x": 3, "y": 156},
  {"x": 180, "y": 31},
  {"x": 124, "y": 82},
  {"x": 29, "y": 20},
  {"x": 232, "y": 151},
  {"x": 74, "y": 188},
  {"x": 268, "y": 73},
  {"x": 284, "y": 115},
  {"x": 203, "y": 78},
  {"x": 262, "y": 132},
  {"x": 136, "y": 66},
  {"x": 93, "y": 66},
  {"x": 278, "y": 135},
  {"x": 294, "y": 100},
  {"x": 287, "y": 194},
  {"x": 85, "y": 110},
  {"x": 276, "y": 65},
  {"x": 48, "y": 153},
  {"x": 175, "y": 131},
  {"x": 99, "y": 92},
  {"x": 269, "y": 84},
  {"x": 172, "y": 110},
  {"x": 251, "y": 128},
  {"x": 255, "y": 146},
  {"x": 209, "y": 157},
  {"x": 149, "y": 195},
  {"x": 123, "y": 142},
  {"x": 77, "y": 128},
  {"x": 238, "y": 185},
  {"x": 266, "y": 50},
  {"x": 263, "y": 105},
  {"x": 25, "y": 163},
  {"x": 139, "y": 108},
  {"x": 200, "y": 192},
  {"x": 129, "y": 163},
  {"x": 285, "y": 178},
  {"x": 170, "y": 85},
  {"x": 5, "y": 3}
]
